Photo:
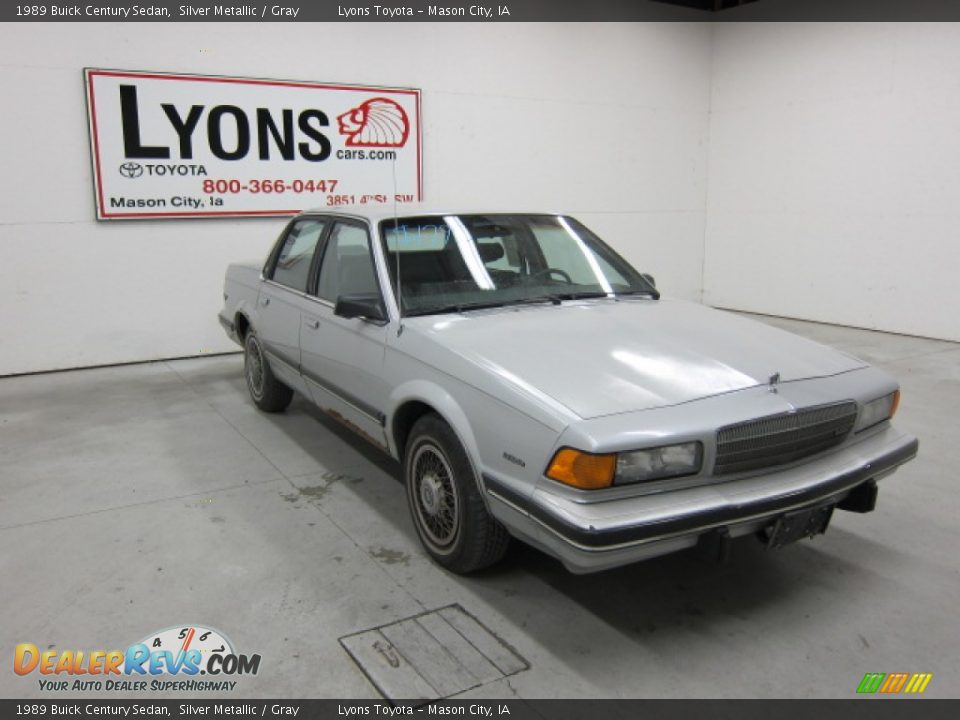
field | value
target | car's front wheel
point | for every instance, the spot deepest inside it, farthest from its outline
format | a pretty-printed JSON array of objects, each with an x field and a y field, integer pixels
[
  {"x": 448, "y": 511},
  {"x": 268, "y": 393}
]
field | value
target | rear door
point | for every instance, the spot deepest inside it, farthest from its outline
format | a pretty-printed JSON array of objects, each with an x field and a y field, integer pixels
[
  {"x": 283, "y": 295},
  {"x": 341, "y": 359}
]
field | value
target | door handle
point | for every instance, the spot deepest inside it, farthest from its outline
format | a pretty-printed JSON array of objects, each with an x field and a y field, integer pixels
[
  {"x": 265, "y": 301},
  {"x": 315, "y": 324}
]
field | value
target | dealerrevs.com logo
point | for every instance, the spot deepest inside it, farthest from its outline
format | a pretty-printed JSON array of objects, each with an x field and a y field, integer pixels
[{"x": 168, "y": 660}]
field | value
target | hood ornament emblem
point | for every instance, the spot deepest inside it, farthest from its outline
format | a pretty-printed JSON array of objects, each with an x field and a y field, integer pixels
[{"x": 774, "y": 381}]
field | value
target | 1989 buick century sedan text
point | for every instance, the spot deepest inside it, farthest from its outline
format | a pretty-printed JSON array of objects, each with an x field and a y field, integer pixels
[{"x": 533, "y": 384}]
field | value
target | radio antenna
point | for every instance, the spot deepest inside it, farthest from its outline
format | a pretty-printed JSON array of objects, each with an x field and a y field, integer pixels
[{"x": 396, "y": 235}]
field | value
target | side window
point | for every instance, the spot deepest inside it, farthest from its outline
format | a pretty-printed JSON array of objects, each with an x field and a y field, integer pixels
[
  {"x": 293, "y": 263},
  {"x": 347, "y": 265}
]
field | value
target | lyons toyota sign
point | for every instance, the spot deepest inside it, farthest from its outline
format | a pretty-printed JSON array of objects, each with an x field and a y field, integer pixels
[{"x": 172, "y": 146}]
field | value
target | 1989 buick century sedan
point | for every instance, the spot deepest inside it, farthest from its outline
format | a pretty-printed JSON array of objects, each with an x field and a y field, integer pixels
[{"x": 533, "y": 384}]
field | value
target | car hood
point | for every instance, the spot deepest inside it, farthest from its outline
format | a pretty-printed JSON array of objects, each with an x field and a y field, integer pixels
[{"x": 604, "y": 357}]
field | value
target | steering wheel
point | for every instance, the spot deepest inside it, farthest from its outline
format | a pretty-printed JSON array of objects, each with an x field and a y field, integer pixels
[{"x": 551, "y": 271}]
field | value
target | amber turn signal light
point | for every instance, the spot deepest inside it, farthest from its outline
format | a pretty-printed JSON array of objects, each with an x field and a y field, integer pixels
[
  {"x": 895, "y": 404},
  {"x": 582, "y": 470}
]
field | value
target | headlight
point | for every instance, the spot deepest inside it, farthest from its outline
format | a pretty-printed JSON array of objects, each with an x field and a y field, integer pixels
[
  {"x": 656, "y": 463},
  {"x": 876, "y": 411},
  {"x": 589, "y": 471}
]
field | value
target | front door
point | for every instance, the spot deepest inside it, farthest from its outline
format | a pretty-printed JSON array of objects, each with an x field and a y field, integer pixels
[{"x": 342, "y": 359}]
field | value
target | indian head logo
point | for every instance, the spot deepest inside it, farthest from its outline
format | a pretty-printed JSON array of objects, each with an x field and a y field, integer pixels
[{"x": 379, "y": 122}]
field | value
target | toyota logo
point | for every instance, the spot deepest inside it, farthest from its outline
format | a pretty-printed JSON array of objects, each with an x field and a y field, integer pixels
[{"x": 131, "y": 170}]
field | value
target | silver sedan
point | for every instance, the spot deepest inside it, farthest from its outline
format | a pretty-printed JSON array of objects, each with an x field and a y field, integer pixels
[{"x": 533, "y": 384}]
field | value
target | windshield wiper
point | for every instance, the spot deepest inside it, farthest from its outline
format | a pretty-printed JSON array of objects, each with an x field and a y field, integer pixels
[
  {"x": 552, "y": 298},
  {"x": 581, "y": 295},
  {"x": 655, "y": 294},
  {"x": 483, "y": 305},
  {"x": 536, "y": 299},
  {"x": 455, "y": 307}
]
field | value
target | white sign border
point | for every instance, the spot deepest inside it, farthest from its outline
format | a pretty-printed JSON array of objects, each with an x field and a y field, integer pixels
[{"x": 98, "y": 199}]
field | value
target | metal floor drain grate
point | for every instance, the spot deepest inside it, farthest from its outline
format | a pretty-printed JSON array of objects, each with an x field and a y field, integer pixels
[{"x": 432, "y": 655}]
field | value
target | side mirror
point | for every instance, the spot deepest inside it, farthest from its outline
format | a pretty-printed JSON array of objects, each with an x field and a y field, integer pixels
[
  {"x": 366, "y": 306},
  {"x": 649, "y": 278}
]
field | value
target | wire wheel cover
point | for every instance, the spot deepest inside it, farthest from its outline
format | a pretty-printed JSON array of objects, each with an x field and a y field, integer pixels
[
  {"x": 435, "y": 496},
  {"x": 255, "y": 367}
]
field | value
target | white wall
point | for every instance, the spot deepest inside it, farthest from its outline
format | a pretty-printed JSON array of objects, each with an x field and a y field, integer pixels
[
  {"x": 606, "y": 121},
  {"x": 834, "y": 174},
  {"x": 805, "y": 170}
]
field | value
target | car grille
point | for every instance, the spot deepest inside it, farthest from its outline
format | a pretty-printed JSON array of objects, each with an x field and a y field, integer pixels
[{"x": 780, "y": 439}]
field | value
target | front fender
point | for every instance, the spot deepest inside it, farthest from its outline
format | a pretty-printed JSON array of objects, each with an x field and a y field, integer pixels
[
  {"x": 501, "y": 442},
  {"x": 446, "y": 406}
]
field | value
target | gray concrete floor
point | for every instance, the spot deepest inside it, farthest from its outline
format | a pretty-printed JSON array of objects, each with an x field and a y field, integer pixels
[{"x": 136, "y": 498}]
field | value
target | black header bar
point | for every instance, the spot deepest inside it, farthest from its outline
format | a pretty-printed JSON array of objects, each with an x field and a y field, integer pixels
[
  {"x": 505, "y": 709},
  {"x": 482, "y": 11}
]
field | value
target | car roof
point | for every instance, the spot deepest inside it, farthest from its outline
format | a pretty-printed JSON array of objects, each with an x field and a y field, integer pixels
[{"x": 378, "y": 213}]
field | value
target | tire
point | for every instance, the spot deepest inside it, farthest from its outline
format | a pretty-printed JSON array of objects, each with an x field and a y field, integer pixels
[
  {"x": 445, "y": 502},
  {"x": 267, "y": 393}
]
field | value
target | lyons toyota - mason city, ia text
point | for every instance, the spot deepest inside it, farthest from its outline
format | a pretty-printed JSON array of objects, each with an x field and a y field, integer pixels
[{"x": 474, "y": 11}]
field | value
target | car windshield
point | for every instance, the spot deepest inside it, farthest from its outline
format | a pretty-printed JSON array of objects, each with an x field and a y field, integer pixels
[{"x": 453, "y": 263}]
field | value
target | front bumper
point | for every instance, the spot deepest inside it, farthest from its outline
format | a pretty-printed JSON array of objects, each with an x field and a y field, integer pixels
[{"x": 590, "y": 536}]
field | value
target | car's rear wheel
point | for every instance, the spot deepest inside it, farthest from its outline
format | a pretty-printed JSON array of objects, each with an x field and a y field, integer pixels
[
  {"x": 445, "y": 502},
  {"x": 268, "y": 393}
]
